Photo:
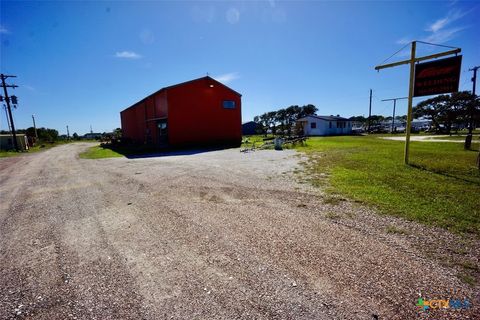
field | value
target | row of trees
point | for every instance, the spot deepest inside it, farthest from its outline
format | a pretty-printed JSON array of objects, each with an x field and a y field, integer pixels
[
  {"x": 377, "y": 119},
  {"x": 44, "y": 134},
  {"x": 283, "y": 119},
  {"x": 457, "y": 110},
  {"x": 51, "y": 135},
  {"x": 446, "y": 112}
]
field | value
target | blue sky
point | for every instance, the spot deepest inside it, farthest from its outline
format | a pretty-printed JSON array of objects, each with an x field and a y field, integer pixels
[{"x": 81, "y": 63}]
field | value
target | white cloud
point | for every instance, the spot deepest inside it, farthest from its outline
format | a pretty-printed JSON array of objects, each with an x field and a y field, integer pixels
[
  {"x": 127, "y": 55},
  {"x": 233, "y": 15},
  {"x": 441, "y": 30},
  {"x": 227, "y": 77},
  {"x": 437, "y": 25},
  {"x": 452, "y": 16},
  {"x": 4, "y": 30},
  {"x": 443, "y": 36}
]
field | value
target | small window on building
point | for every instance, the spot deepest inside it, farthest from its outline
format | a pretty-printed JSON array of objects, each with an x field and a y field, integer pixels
[
  {"x": 330, "y": 124},
  {"x": 229, "y": 104},
  {"x": 313, "y": 125}
]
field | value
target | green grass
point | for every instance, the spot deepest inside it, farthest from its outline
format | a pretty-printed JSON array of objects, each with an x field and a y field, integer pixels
[
  {"x": 39, "y": 147},
  {"x": 441, "y": 187},
  {"x": 458, "y": 137},
  {"x": 99, "y": 152}
]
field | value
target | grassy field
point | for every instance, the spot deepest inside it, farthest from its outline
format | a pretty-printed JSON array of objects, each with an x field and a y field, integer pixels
[{"x": 441, "y": 187}]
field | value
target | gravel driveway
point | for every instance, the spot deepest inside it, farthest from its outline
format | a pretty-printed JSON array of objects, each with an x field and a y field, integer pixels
[{"x": 212, "y": 235}]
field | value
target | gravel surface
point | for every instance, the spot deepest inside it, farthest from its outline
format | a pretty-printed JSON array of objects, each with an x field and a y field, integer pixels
[{"x": 212, "y": 235}]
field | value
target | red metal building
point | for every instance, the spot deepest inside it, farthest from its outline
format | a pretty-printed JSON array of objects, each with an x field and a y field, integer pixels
[{"x": 198, "y": 112}]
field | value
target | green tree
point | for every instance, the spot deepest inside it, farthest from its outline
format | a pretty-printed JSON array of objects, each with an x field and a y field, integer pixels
[
  {"x": 434, "y": 109},
  {"x": 117, "y": 133}
]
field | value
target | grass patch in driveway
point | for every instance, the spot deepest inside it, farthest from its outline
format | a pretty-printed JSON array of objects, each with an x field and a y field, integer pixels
[
  {"x": 440, "y": 188},
  {"x": 99, "y": 152}
]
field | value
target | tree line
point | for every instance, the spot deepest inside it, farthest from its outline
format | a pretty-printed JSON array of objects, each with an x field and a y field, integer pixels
[
  {"x": 44, "y": 134},
  {"x": 450, "y": 111},
  {"x": 446, "y": 112},
  {"x": 282, "y": 120}
]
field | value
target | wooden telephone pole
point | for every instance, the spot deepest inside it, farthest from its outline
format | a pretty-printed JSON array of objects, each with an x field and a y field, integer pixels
[
  {"x": 413, "y": 59},
  {"x": 9, "y": 109}
]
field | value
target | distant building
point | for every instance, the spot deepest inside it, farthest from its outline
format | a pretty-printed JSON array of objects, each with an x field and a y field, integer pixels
[
  {"x": 249, "y": 128},
  {"x": 314, "y": 125},
  {"x": 92, "y": 135},
  {"x": 198, "y": 112},
  {"x": 6, "y": 142}
]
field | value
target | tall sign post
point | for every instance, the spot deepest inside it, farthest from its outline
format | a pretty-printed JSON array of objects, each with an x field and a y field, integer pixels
[
  {"x": 408, "y": 128},
  {"x": 435, "y": 77}
]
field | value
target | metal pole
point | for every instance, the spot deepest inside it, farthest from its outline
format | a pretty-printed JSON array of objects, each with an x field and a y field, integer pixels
[
  {"x": 468, "y": 139},
  {"x": 393, "y": 117},
  {"x": 410, "y": 98},
  {"x": 34, "y": 126},
  {"x": 68, "y": 134},
  {"x": 369, "y": 112},
  {"x": 394, "y": 105},
  {"x": 474, "y": 79},
  {"x": 12, "y": 125}
]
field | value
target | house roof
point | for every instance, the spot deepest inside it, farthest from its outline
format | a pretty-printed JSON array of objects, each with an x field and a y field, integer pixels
[
  {"x": 180, "y": 84},
  {"x": 326, "y": 118}
]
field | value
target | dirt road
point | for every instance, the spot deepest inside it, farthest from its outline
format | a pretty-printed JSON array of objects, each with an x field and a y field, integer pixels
[{"x": 214, "y": 235}]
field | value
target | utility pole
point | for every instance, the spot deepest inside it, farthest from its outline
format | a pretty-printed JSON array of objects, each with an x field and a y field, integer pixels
[
  {"x": 412, "y": 62},
  {"x": 7, "y": 100},
  {"x": 468, "y": 139},
  {"x": 474, "y": 80},
  {"x": 369, "y": 112},
  {"x": 68, "y": 134},
  {"x": 8, "y": 119},
  {"x": 34, "y": 127},
  {"x": 91, "y": 130},
  {"x": 394, "y": 105}
]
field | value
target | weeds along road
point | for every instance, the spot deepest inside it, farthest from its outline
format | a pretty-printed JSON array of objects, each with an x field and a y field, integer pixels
[{"x": 215, "y": 235}]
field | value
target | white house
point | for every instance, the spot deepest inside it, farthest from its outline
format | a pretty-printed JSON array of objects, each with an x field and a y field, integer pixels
[{"x": 324, "y": 125}]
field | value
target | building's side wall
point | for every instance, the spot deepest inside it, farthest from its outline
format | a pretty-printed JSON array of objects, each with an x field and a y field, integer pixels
[
  {"x": 196, "y": 115},
  {"x": 6, "y": 142},
  {"x": 133, "y": 123},
  {"x": 323, "y": 128},
  {"x": 139, "y": 121}
]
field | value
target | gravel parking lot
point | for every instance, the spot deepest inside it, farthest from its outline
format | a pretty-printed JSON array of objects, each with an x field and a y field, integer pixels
[{"x": 209, "y": 235}]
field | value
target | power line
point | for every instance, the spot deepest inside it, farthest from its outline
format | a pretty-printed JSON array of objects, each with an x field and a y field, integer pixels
[
  {"x": 437, "y": 45},
  {"x": 395, "y": 53}
]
